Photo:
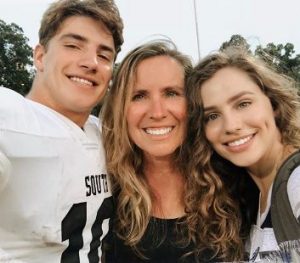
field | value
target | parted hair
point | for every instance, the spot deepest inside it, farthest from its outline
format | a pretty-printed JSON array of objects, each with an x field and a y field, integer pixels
[
  {"x": 124, "y": 158},
  {"x": 221, "y": 223},
  {"x": 104, "y": 11}
]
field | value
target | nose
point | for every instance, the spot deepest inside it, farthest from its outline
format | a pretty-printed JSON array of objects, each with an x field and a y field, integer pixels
[
  {"x": 89, "y": 61},
  {"x": 157, "y": 108},
  {"x": 232, "y": 123}
]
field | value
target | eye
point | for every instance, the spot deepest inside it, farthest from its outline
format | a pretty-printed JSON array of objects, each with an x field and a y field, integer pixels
[
  {"x": 171, "y": 92},
  {"x": 138, "y": 96},
  {"x": 105, "y": 56},
  {"x": 211, "y": 117},
  {"x": 72, "y": 46},
  {"x": 244, "y": 104}
]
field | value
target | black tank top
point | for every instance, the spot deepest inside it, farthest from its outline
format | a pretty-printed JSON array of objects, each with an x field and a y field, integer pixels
[{"x": 159, "y": 245}]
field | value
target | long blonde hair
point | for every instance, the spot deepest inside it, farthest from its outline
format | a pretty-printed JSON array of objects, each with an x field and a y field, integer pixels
[{"x": 124, "y": 158}]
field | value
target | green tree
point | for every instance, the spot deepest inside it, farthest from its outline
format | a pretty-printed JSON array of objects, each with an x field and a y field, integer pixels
[
  {"x": 236, "y": 41},
  {"x": 282, "y": 57},
  {"x": 16, "y": 71}
]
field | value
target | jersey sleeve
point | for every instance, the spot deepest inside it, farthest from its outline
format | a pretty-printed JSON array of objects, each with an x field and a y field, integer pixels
[
  {"x": 5, "y": 168},
  {"x": 293, "y": 189},
  {"x": 4, "y": 257},
  {"x": 12, "y": 110},
  {"x": 6, "y": 114},
  {"x": 16, "y": 117},
  {"x": 14, "y": 113}
]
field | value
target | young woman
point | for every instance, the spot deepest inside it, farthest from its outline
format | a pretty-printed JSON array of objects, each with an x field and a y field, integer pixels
[
  {"x": 144, "y": 125},
  {"x": 247, "y": 115}
]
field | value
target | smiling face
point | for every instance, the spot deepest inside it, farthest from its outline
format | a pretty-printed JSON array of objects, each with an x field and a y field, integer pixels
[
  {"x": 156, "y": 115},
  {"x": 239, "y": 119},
  {"x": 74, "y": 70}
]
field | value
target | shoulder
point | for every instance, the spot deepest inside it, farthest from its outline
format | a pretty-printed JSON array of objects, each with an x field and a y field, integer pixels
[
  {"x": 8, "y": 96},
  {"x": 18, "y": 113},
  {"x": 294, "y": 177},
  {"x": 293, "y": 190},
  {"x": 294, "y": 182},
  {"x": 12, "y": 108},
  {"x": 93, "y": 123},
  {"x": 93, "y": 120}
]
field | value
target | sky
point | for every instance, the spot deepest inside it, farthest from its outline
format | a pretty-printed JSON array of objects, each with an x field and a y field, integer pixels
[{"x": 259, "y": 21}]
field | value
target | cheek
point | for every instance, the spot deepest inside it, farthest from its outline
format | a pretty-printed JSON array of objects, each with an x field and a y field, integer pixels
[
  {"x": 180, "y": 110},
  {"x": 133, "y": 131},
  {"x": 262, "y": 119},
  {"x": 129, "y": 119},
  {"x": 107, "y": 72},
  {"x": 133, "y": 117},
  {"x": 51, "y": 66},
  {"x": 207, "y": 134},
  {"x": 211, "y": 134},
  {"x": 130, "y": 129}
]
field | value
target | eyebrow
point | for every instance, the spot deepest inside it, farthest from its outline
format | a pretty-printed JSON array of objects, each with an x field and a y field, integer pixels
[
  {"x": 141, "y": 89},
  {"x": 176, "y": 87},
  {"x": 230, "y": 100},
  {"x": 84, "y": 39}
]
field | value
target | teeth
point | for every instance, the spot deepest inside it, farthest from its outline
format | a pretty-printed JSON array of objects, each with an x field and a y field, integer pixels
[
  {"x": 161, "y": 131},
  {"x": 84, "y": 81},
  {"x": 241, "y": 141}
]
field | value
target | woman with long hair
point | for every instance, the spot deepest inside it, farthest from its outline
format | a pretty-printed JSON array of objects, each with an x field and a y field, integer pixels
[
  {"x": 163, "y": 214},
  {"x": 245, "y": 116}
]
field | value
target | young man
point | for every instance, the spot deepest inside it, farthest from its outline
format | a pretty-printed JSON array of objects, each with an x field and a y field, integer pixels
[{"x": 55, "y": 198}]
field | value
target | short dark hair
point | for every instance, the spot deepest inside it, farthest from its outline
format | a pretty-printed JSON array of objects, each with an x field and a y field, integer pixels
[{"x": 104, "y": 11}]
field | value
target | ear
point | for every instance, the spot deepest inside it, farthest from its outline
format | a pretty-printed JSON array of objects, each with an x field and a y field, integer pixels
[{"x": 38, "y": 56}]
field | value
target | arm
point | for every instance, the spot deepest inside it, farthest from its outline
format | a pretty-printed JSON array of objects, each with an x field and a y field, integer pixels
[
  {"x": 293, "y": 189},
  {"x": 11, "y": 115}
]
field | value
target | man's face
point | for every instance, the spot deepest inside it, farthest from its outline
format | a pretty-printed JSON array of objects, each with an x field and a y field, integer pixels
[{"x": 75, "y": 68}]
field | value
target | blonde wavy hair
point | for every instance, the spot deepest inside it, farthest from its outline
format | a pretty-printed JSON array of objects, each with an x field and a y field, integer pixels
[
  {"x": 124, "y": 158},
  {"x": 214, "y": 216}
]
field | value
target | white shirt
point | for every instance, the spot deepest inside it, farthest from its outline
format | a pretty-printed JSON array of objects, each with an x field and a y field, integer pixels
[
  {"x": 56, "y": 200},
  {"x": 262, "y": 241}
]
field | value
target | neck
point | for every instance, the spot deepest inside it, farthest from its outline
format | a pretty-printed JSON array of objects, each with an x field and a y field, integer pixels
[
  {"x": 78, "y": 118},
  {"x": 155, "y": 166},
  {"x": 167, "y": 186},
  {"x": 265, "y": 172}
]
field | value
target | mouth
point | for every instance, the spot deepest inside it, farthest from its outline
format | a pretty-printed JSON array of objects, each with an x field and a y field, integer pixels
[
  {"x": 158, "y": 131},
  {"x": 240, "y": 142},
  {"x": 83, "y": 81}
]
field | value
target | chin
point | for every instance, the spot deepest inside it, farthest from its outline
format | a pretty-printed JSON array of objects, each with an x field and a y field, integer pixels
[
  {"x": 240, "y": 162},
  {"x": 161, "y": 153}
]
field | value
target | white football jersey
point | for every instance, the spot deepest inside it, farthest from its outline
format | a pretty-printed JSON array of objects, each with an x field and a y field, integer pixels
[{"x": 56, "y": 202}]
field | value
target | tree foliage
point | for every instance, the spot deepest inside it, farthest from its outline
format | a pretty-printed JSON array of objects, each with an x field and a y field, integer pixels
[
  {"x": 236, "y": 41},
  {"x": 282, "y": 57},
  {"x": 16, "y": 70}
]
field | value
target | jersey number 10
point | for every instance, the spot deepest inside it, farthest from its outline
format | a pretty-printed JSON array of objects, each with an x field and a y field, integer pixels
[{"x": 72, "y": 228}]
